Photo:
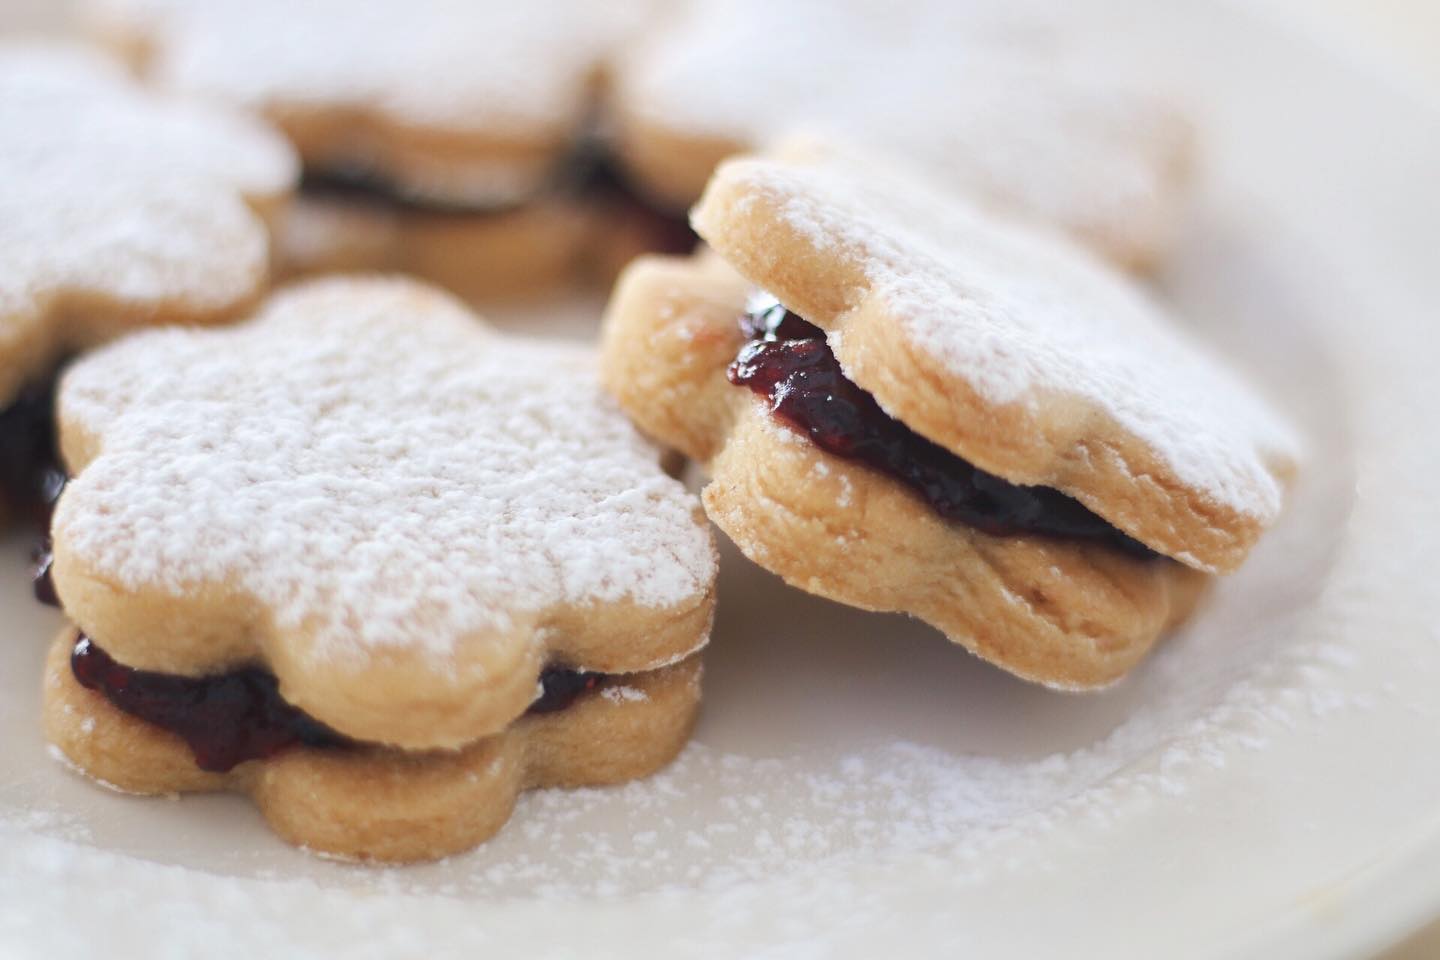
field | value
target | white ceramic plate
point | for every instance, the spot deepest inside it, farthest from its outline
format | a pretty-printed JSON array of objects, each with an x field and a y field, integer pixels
[{"x": 1265, "y": 786}]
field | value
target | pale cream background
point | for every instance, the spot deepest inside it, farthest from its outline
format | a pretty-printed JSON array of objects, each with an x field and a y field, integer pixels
[{"x": 1401, "y": 37}]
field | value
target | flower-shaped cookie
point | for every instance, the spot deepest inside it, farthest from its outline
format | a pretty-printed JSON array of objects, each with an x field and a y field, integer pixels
[
  {"x": 440, "y": 137},
  {"x": 1006, "y": 102},
  {"x": 462, "y": 103},
  {"x": 117, "y": 209},
  {"x": 949, "y": 415},
  {"x": 393, "y": 520}
]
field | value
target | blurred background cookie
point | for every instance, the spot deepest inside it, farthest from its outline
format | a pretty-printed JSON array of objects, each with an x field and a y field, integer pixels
[
  {"x": 1007, "y": 103},
  {"x": 119, "y": 209},
  {"x": 445, "y": 138}
]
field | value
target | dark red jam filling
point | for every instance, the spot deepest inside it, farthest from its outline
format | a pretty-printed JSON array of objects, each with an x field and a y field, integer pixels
[
  {"x": 593, "y": 174},
  {"x": 560, "y": 688},
  {"x": 789, "y": 362},
  {"x": 30, "y": 473},
  {"x": 590, "y": 175},
  {"x": 44, "y": 584},
  {"x": 238, "y": 716},
  {"x": 225, "y": 719}
]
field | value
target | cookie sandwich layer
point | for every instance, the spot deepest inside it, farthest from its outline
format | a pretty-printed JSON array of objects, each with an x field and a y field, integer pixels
[
  {"x": 788, "y": 362},
  {"x": 423, "y": 153},
  {"x": 579, "y": 228},
  {"x": 974, "y": 422},
  {"x": 1070, "y": 613},
  {"x": 385, "y": 521},
  {"x": 370, "y": 802}
]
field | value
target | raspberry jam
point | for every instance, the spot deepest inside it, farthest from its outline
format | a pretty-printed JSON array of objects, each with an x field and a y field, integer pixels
[
  {"x": 30, "y": 471},
  {"x": 593, "y": 176},
  {"x": 225, "y": 719},
  {"x": 789, "y": 362},
  {"x": 238, "y": 716},
  {"x": 560, "y": 688},
  {"x": 43, "y": 584}
]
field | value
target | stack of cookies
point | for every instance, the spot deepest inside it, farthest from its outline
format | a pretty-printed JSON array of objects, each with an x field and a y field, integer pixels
[
  {"x": 347, "y": 548},
  {"x": 450, "y": 140}
]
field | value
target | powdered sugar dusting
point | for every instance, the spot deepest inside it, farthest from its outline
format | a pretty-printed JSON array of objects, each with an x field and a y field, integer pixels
[
  {"x": 834, "y": 745},
  {"x": 105, "y": 190},
  {"x": 624, "y": 694},
  {"x": 458, "y": 66},
  {"x": 73, "y": 104},
  {"x": 782, "y": 785},
  {"x": 1262, "y": 830},
  {"x": 365, "y": 458},
  {"x": 1003, "y": 100},
  {"x": 811, "y": 789},
  {"x": 814, "y": 790},
  {"x": 1023, "y": 319}
]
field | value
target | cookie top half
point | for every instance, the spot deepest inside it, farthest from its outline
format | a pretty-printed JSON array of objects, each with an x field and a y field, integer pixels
[
  {"x": 404, "y": 515},
  {"x": 119, "y": 208},
  {"x": 451, "y": 100},
  {"x": 1009, "y": 347},
  {"x": 1009, "y": 102}
]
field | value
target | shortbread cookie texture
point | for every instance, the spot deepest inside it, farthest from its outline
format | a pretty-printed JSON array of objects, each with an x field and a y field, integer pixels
[
  {"x": 408, "y": 521},
  {"x": 973, "y": 423},
  {"x": 118, "y": 209},
  {"x": 377, "y": 803},
  {"x": 402, "y": 514},
  {"x": 1001, "y": 101}
]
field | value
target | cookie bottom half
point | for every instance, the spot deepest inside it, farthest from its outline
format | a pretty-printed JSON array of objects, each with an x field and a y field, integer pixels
[
  {"x": 578, "y": 237},
  {"x": 479, "y": 255},
  {"x": 1071, "y": 616},
  {"x": 383, "y": 804}
]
